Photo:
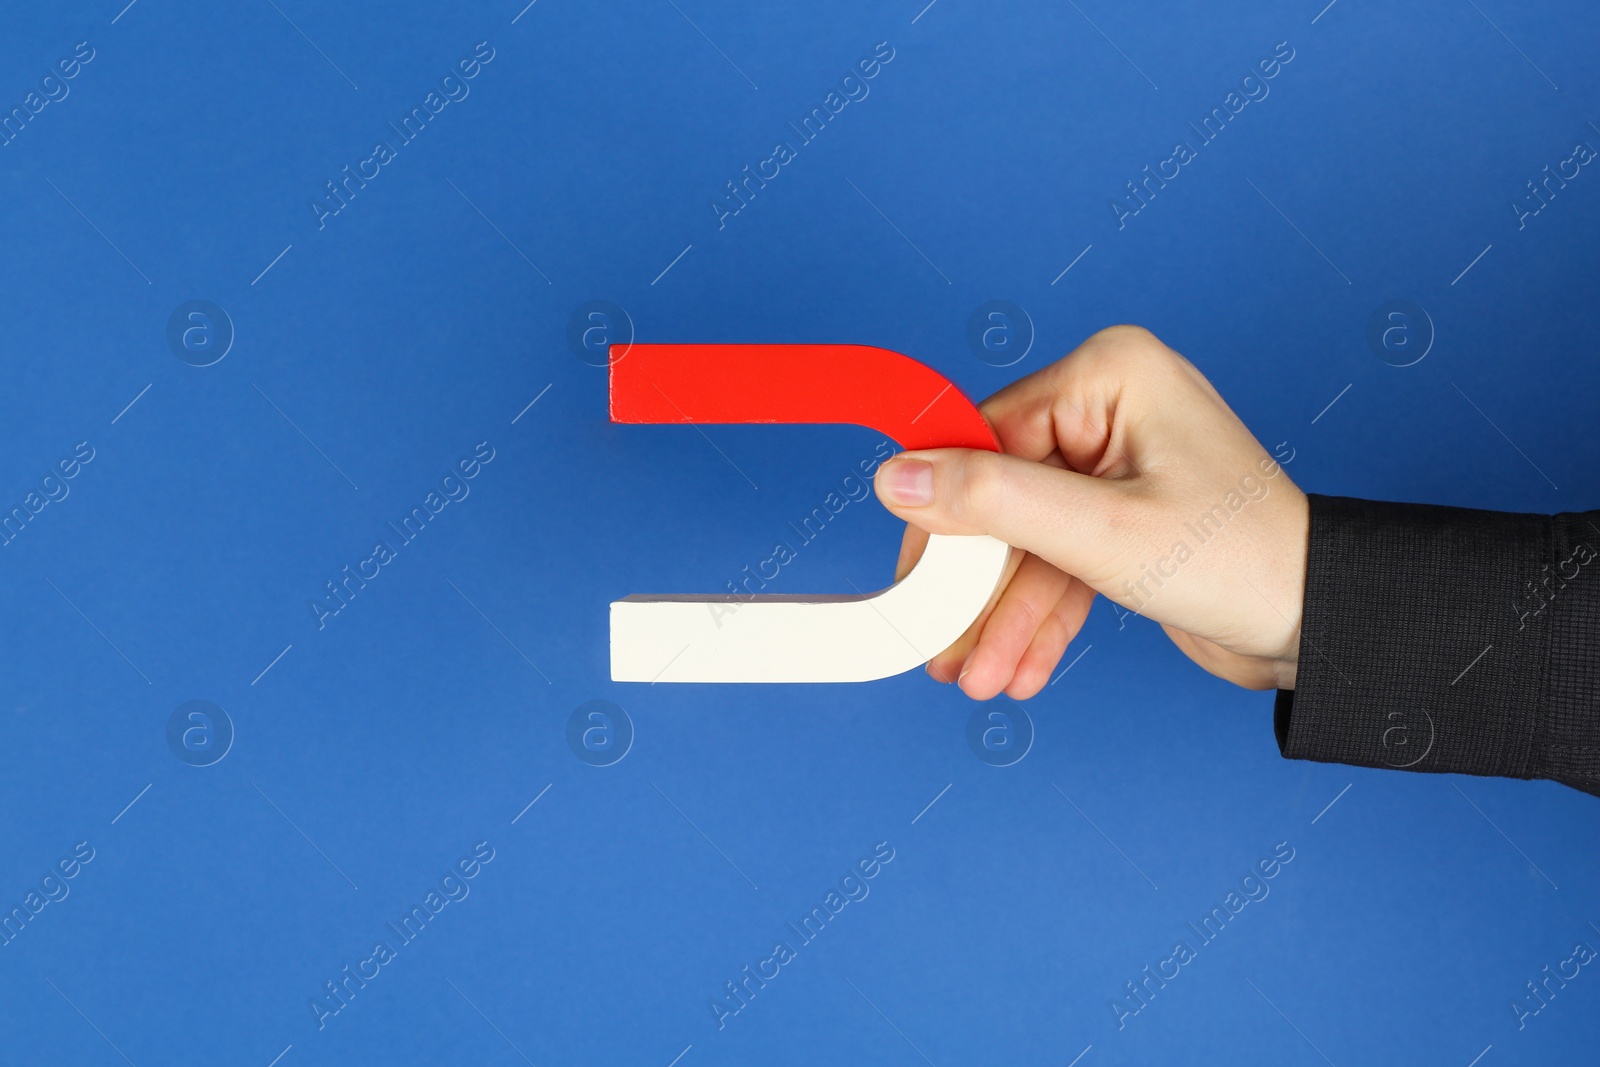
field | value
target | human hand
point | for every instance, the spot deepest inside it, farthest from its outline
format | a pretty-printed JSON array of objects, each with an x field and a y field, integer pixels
[{"x": 1124, "y": 473}]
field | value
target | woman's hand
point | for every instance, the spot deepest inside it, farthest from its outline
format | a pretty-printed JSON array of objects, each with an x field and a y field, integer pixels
[{"x": 1124, "y": 474}]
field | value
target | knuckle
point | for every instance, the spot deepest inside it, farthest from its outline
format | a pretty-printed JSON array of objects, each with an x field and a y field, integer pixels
[
  {"x": 1027, "y": 617},
  {"x": 1125, "y": 334},
  {"x": 983, "y": 487},
  {"x": 1131, "y": 349}
]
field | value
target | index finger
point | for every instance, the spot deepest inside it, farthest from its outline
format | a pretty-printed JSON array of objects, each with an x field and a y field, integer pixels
[{"x": 1068, "y": 406}]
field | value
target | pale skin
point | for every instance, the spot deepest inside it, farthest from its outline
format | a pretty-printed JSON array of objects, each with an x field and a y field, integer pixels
[{"x": 1112, "y": 456}]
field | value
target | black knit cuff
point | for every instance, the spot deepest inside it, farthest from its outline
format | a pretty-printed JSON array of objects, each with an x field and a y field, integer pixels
[
  {"x": 1568, "y": 743},
  {"x": 1424, "y": 645}
]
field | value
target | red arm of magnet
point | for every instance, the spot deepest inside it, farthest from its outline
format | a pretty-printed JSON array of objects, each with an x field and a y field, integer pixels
[{"x": 861, "y": 385}]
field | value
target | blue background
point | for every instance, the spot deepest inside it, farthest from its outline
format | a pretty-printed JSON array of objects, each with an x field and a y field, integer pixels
[{"x": 425, "y": 716}]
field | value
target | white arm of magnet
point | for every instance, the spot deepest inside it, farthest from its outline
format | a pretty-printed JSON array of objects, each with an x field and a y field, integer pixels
[{"x": 809, "y": 638}]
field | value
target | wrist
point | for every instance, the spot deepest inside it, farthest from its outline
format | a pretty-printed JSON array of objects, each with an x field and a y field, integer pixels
[
  {"x": 1286, "y": 664},
  {"x": 1286, "y": 668}
]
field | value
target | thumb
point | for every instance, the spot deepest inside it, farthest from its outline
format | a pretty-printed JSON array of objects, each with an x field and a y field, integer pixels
[{"x": 1060, "y": 515}]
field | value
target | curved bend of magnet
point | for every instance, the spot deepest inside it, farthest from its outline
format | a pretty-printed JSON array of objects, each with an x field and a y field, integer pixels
[{"x": 778, "y": 638}]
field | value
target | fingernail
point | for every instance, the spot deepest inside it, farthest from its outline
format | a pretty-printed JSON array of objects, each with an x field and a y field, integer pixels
[
  {"x": 966, "y": 666},
  {"x": 907, "y": 482}
]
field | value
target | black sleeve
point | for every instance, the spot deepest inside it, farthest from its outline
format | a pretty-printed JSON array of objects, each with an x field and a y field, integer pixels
[{"x": 1448, "y": 640}]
